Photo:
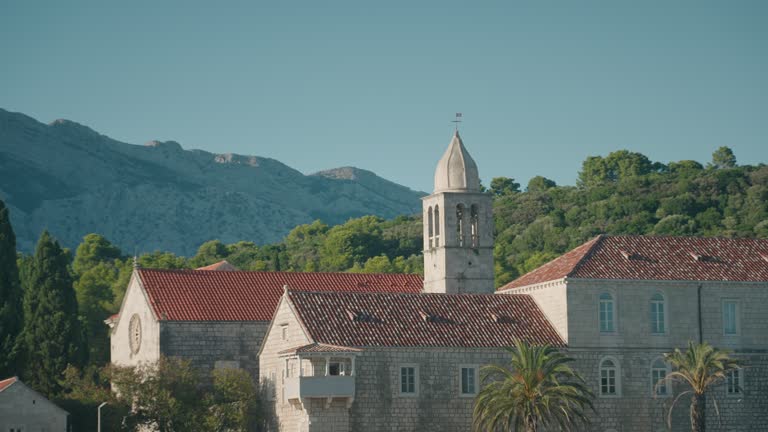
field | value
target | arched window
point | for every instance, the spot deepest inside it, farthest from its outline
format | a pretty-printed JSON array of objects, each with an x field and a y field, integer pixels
[
  {"x": 460, "y": 224},
  {"x": 437, "y": 226},
  {"x": 607, "y": 313},
  {"x": 609, "y": 377},
  {"x": 474, "y": 231},
  {"x": 659, "y": 384},
  {"x": 430, "y": 233},
  {"x": 658, "y": 314}
]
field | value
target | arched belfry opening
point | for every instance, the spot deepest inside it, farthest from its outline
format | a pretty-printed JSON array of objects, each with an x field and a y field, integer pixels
[
  {"x": 458, "y": 245},
  {"x": 460, "y": 230},
  {"x": 474, "y": 223}
]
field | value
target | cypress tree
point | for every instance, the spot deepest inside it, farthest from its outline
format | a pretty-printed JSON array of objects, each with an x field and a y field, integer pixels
[
  {"x": 52, "y": 335},
  {"x": 11, "y": 317}
]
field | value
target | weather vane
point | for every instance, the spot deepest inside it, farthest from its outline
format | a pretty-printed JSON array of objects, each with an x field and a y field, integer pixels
[{"x": 457, "y": 121}]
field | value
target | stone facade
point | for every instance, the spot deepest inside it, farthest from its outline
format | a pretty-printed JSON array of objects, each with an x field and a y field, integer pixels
[
  {"x": 135, "y": 303},
  {"x": 285, "y": 332},
  {"x": 23, "y": 409},
  {"x": 572, "y": 306},
  {"x": 211, "y": 344},
  {"x": 207, "y": 344}
]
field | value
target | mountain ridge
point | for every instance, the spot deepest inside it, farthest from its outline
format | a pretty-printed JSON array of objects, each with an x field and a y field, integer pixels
[{"x": 73, "y": 180}]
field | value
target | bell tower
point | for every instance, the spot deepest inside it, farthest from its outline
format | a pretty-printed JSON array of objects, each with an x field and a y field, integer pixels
[{"x": 458, "y": 227}]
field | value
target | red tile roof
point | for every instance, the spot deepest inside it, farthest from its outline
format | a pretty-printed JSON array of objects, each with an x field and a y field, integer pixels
[
  {"x": 657, "y": 258},
  {"x": 192, "y": 295},
  {"x": 438, "y": 320},
  {"x": 7, "y": 382},
  {"x": 219, "y": 266},
  {"x": 319, "y": 348}
]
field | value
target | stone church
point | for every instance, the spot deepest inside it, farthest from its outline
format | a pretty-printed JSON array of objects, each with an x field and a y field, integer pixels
[{"x": 342, "y": 352}]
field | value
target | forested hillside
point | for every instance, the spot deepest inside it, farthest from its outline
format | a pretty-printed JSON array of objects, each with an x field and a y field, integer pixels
[{"x": 622, "y": 193}]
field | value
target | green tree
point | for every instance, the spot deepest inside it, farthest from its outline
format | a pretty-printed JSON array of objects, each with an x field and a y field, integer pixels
[
  {"x": 378, "y": 264},
  {"x": 162, "y": 260},
  {"x": 95, "y": 302},
  {"x": 677, "y": 225},
  {"x": 303, "y": 244},
  {"x": 537, "y": 390},
  {"x": 166, "y": 395},
  {"x": 504, "y": 186},
  {"x": 540, "y": 184},
  {"x": 208, "y": 253},
  {"x": 83, "y": 391},
  {"x": 700, "y": 367},
  {"x": 52, "y": 334},
  {"x": 94, "y": 250},
  {"x": 354, "y": 242},
  {"x": 11, "y": 317},
  {"x": 233, "y": 403},
  {"x": 723, "y": 157}
]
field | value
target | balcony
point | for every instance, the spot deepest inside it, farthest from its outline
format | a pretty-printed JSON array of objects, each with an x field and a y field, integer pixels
[{"x": 328, "y": 387}]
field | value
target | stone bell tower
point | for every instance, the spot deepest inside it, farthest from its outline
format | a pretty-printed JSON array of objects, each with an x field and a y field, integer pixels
[{"x": 458, "y": 227}]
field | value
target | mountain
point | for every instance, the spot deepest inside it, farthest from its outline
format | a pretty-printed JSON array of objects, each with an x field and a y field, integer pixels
[{"x": 73, "y": 181}]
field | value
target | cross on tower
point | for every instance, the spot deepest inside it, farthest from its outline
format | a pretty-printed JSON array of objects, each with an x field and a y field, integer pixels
[{"x": 457, "y": 121}]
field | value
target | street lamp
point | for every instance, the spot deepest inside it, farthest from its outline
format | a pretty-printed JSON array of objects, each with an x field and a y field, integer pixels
[{"x": 98, "y": 410}]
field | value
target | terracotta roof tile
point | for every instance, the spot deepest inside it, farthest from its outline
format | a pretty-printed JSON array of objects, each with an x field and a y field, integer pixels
[
  {"x": 445, "y": 320},
  {"x": 192, "y": 295},
  {"x": 657, "y": 258},
  {"x": 319, "y": 348},
  {"x": 7, "y": 382}
]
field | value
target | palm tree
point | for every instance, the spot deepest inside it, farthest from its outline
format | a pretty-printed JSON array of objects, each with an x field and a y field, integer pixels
[
  {"x": 700, "y": 367},
  {"x": 538, "y": 389}
]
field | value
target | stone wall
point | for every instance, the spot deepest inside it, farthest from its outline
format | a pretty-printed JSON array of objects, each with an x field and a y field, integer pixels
[
  {"x": 21, "y": 408},
  {"x": 135, "y": 303},
  {"x": 449, "y": 268},
  {"x": 438, "y": 406},
  {"x": 638, "y": 410},
  {"x": 204, "y": 343},
  {"x": 286, "y": 332},
  {"x": 632, "y": 299},
  {"x": 552, "y": 300}
]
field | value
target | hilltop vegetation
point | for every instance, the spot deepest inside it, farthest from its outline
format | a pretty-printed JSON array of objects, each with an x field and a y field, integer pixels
[{"x": 622, "y": 193}]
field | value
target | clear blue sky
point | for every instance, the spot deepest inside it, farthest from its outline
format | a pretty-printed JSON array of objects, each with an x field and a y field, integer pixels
[{"x": 322, "y": 84}]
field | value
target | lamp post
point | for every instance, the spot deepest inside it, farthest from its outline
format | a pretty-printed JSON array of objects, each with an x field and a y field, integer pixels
[{"x": 98, "y": 410}]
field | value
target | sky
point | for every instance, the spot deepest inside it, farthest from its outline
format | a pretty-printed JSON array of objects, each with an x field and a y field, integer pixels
[{"x": 542, "y": 85}]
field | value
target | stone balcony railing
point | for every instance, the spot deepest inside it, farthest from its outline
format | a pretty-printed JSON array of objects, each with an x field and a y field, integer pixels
[{"x": 332, "y": 386}]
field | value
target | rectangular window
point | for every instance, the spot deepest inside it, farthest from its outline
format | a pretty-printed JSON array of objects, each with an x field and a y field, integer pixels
[
  {"x": 468, "y": 380},
  {"x": 284, "y": 331},
  {"x": 657, "y": 317},
  {"x": 408, "y": 380},
  {"x": 733, "y": 383},
  {"x": 730, "y": 317},
  {"x": 271, "y": 386},
  {"x": 606, "y": 316},
  {"x": 608, "y": 381}
]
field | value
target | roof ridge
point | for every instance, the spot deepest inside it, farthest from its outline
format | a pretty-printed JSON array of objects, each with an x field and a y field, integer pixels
[
  {"x": 197, "y": 271},
  {"x": 595, "y": 241}
]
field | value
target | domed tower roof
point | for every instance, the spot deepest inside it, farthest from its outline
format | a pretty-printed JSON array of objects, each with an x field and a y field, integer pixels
[{"x": 456, "y": 170}]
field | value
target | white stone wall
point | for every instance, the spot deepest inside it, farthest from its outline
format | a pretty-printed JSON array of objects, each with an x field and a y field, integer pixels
[
  {"x": 22, "y": 407},
  {"x": 633, "y": 329},
  {"x": 283, "y": 415},
  {"x": 135, "y": 302},
  {"x": 635, "y": 347},
  {"x": 552, "y": 299}
]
